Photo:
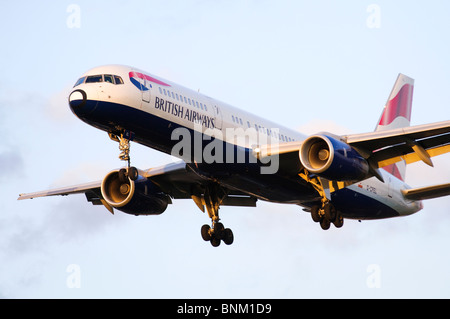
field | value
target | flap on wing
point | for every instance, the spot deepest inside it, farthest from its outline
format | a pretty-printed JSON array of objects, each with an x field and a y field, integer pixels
[{"x": 428, "y": 192}]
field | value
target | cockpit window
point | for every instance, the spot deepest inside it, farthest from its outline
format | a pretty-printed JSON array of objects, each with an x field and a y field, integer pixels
[
  {"x": 80, "y": 81},
  {"x": 94, "y": 79},
  {"x": 110, "y": 78},
  {"x": 118, "y": 79}
]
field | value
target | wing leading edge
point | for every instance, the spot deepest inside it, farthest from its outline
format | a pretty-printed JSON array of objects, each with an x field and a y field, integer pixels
[{"x": 177, "y": 180}]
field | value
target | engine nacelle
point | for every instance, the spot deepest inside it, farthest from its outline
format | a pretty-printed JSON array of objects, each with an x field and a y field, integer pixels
[
  {"x": 140, "y": 197},
  {"x": 332, "y": 159}
]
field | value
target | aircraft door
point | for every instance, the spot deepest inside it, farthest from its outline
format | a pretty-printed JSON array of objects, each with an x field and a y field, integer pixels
[
  {"x": 146, "y": 90},
  {"x": 217, "y": 117}
]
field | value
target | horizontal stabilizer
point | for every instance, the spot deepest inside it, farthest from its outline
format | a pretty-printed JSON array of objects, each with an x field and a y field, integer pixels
[{"x": 427, "y": 192}]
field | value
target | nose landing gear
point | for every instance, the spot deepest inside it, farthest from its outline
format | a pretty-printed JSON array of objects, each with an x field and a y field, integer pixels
[{"x": 124, "y": 147}]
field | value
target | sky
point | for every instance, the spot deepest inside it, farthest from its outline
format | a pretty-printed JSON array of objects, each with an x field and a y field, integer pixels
[{"x": 309, "y": 65}]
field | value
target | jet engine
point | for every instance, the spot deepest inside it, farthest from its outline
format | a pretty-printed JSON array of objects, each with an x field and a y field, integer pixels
[
  {"x": 134, "y": 195},
  {"x": 332, "y": 159}
]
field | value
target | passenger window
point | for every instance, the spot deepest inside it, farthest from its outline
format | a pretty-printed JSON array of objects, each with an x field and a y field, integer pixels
[
  {"x": 197, "y": 104},
  {"x": 232, "y": 117},
  {"x": 118, "y": 79},
  {"x": 109, "y": 78},
  {"x": 160, "y": 91},
  {"x": 94, "y": 79}
]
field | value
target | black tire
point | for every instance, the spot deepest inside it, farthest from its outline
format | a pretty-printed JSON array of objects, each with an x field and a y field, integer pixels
[
  {"x": 339, "y": 221},
  {"x": 133, "y": 173},
  {"x": 315, "y": 213},
  {"x": 123, "y": 175},
  {"x": 218, "y": 227},
  {"x": 215, "y": 242},
  {"x": 325, "y": 224},
  {"x": 218, "y": 230},
  {"x": 228, "y": 237},
  {"x": 330, "y": 212},
  {"x": 205, "y": 233}
]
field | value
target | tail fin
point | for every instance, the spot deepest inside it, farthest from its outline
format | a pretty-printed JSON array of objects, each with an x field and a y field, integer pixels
[
  {"x": 397, "y": 114},
  {"x": 397, "y": 111}
]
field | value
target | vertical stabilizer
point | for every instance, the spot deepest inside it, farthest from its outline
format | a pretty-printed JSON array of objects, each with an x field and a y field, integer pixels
[
  {"x": 397, "y": 111},
  {"x": 397, "y": 114}
]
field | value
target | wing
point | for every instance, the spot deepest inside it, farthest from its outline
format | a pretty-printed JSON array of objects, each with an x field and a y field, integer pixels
[
  {"x": 382, "y": 148},
  {"x": 64, "y": 191},
  {"x": 177, "y": 180},
  {"x": 427, "y": 192},
  {"x": 411, "y": 144}
]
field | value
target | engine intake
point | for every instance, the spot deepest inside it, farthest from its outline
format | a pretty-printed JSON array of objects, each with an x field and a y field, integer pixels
[
  {"x": 139, "y": 197},
  {"x": 332, "y": 159}
]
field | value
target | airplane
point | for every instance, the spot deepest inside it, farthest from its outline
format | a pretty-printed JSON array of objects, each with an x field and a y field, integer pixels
[{"x": 230, "y": 157}]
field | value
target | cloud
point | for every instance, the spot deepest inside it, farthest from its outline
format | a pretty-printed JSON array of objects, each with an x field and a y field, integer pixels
[
  {"x": 316, "y": 126},
  {"x": 57, "y": 108},
  {"x": 12, "y": 163}
]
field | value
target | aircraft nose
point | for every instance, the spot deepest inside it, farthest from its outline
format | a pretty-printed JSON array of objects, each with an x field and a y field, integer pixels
[
  {"x": 79, "y": 103},
  {"x": 77, "y": 99}
]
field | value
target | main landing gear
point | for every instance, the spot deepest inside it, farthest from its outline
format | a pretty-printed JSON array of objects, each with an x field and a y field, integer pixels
[
  {"x": 326, "y": 214},
  {"x": 212, "y": 198}
]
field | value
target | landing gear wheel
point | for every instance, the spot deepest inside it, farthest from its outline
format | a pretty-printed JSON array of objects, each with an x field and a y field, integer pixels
[
  {"x": 228, "y": 237},
  {"x": 206, "y": 233},
  {"x": 325, "y": 224},
  {"x": 123, "y": 175},
  {"x": 215, "y": 242},
  {"x": 315, "y": 213},
  {"x": 339, "y": 221},
  {"x": 128, "y": 173},
  {"x": 217, "y": 234},
  {"x": 213, "y": 197},
  {"x": 133, "y": 173},
  {"x": 218, "y": 230},
  {"x": 330, "y": 212}
]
